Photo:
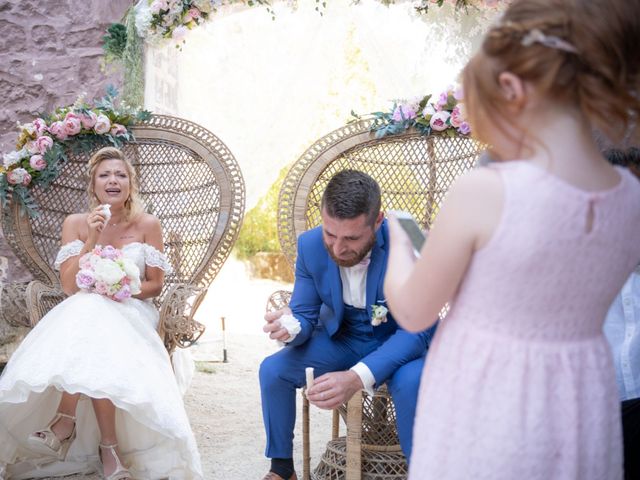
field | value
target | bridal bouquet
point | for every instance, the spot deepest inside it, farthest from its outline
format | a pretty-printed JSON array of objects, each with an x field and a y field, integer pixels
[{"x": 106, "y": 271}]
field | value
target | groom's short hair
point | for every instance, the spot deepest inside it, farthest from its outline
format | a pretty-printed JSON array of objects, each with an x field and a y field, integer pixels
[{"x": 351, "y": 193}]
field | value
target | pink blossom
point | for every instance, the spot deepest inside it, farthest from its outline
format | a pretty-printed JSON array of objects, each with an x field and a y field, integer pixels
[
  {"x": 88, "y": 120},
  {"x": 439, "y": 121},
  {"x": 40, "y": 125},
  {"x": 18, "y": 176},
  {"x": 456, "y": 117},
  {"x": 101, "y": 288},
  {"x": 465, "y": 128},
  {"x": 44, "y": 143},
  {"x": 118, "y": 130},
  {"x": 97, "y": 251},
  {"x": 72, "y": 124},
  {"x": 458, "y": 94},
  {"x": 443, "y": 99},
  {"x": 194, "y": 12},
  {"x": 57, "y": 129},
  {"x": 404, "y": 112},
  {"x": 123, "y": 293},
  {"x": 85, "y": 279},
  {"x": 110, "y": 252},
  {"x": 103, "y": 124},
  {"x": 38, "y": 162}
]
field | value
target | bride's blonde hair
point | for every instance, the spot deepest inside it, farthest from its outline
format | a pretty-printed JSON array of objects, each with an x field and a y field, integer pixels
[{"x": 133, "y": 204}]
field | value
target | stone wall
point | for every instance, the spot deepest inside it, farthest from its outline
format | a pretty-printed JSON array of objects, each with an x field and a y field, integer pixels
[{"x": 50, "y": 53}]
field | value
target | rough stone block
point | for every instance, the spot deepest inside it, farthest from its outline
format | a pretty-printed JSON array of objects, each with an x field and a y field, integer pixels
[
  {"x": 13, "y": 37},
  {"x": 45, "y": 38}
]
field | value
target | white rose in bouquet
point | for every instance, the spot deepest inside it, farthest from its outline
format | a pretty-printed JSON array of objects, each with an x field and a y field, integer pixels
[
  {"x": 133, "y": 272},
  {"x": 108, "y": 271}
]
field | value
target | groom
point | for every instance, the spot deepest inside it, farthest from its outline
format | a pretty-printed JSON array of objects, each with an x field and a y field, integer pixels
[{"x": 339, "y": 277}]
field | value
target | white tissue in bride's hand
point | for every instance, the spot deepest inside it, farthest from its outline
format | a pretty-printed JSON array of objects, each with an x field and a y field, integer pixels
[
  {"x": 106, "y": 211},
  {"x": 290, "y": 323}
]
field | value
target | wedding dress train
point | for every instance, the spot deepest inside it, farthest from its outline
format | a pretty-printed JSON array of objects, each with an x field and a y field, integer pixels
[{"x": 100, "y": 348}]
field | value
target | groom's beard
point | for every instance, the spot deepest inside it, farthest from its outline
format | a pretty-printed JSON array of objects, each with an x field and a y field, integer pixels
[{"x": 355, "y": 256}]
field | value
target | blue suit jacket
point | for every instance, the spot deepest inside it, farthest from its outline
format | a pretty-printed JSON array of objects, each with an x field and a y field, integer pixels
[{"x": 317, "y": 299}]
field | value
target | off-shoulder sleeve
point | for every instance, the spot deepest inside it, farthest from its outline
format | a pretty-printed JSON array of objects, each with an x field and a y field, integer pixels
[
  {"x": 155, "y": 258},
  {"x": 67, "y": 251}
]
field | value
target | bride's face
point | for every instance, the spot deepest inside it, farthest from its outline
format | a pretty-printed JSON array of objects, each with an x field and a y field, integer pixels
[{"x": 111, "y": 182}]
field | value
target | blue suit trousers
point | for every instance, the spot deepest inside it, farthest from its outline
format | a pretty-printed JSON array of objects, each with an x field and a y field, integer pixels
[{"x": 283, "y": 372}]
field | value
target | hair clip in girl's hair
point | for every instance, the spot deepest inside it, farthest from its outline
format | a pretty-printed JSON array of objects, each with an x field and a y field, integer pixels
[{"x": 551, "y": 41}]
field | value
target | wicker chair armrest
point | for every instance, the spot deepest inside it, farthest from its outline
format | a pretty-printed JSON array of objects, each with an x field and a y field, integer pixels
[
  {"x": 277, "y": 300},
  {"x": 177, "y": 326},
  {"x": 13, "y": 304},
  {"x": 40, "y": 298}
]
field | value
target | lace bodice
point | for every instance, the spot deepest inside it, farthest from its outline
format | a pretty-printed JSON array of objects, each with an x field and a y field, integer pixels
[{"x": 141, "y": 253}]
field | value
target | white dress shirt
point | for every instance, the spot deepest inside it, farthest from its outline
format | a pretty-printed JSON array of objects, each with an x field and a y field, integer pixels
[{"x": 354, "y": 293}]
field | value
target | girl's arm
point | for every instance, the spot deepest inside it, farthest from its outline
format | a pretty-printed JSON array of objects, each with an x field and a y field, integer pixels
[{"x": 416, "y": 290}]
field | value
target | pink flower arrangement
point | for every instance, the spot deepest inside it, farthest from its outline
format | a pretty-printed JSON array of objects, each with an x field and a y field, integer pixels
[
  {"x": 42, "y": 144},
  {"x": 106, "y": 271},
  {"x": 443, "y": 114}
]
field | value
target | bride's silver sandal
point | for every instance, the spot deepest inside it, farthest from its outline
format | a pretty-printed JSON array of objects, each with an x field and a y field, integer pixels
[
  {"x": 120, "y": 473},
  {"x": 47, "y": 443}
]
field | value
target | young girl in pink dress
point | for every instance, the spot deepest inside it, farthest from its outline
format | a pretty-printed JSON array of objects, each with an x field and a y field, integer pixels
[{"x": 530, "y": 252}]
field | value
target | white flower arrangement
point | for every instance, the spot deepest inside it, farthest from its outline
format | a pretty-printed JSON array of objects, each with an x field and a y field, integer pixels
[{"x": 378, "y": 314}]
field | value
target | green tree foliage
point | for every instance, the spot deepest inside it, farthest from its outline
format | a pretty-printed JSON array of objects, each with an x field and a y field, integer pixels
[{"x": 259, "y": 232}]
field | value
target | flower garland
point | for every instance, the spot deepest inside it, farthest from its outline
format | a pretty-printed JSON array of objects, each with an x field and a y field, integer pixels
[
  {"x": 42, "y": 144},
  {"x": 444, "y": 115},
  {"x": 172, "y": 19}
]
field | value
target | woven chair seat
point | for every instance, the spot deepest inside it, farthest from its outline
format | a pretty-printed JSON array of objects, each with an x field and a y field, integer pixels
[{"x": 375, "y": 465}]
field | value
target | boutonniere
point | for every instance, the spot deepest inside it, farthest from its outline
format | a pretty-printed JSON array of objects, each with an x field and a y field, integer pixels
[{"x": 378, "y": 314}]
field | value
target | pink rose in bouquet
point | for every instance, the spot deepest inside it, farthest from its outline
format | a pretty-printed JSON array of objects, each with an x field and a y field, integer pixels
[
  {"x": 37, "y": 162},
  {"x": 106, "y": 271},
  {"x": 72, "y": 124},
  {"x": 88, "y": 120},
  {"x": 40, "y": 126},
  {"x": 44, "y": 143},
  {"x": 439, "y": 120},
  {"x": 58, "y": 130}
]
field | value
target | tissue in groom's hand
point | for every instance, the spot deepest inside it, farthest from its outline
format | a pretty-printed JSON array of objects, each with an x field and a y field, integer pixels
[{"x": 309, "y": 374}]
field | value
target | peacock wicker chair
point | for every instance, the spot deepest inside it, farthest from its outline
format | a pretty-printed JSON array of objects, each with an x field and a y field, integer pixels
[
  {"x": 414, "y": 173},
  {"x": 188, "y": 179}
]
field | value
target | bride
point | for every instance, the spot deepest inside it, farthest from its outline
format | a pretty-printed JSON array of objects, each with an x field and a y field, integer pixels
[{"x": 92, "y": 382}]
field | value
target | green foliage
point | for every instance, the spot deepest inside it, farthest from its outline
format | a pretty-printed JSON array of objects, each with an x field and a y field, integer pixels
[
  {"x": 259, "y": 231},
  {"x": 114, "y": 42}
]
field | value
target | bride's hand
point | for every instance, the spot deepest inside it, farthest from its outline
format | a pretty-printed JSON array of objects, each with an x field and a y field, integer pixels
[{"x": 96, "y": 221}]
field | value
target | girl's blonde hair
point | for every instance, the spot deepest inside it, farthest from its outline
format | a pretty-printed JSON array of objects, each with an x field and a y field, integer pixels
[
  {"x": 601, "y": 78},
  {"x": 133, "y": 204}
]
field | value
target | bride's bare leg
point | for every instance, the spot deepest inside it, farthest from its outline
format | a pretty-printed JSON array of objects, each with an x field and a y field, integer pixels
[
  {"x": 106, "y": 416},
  {"x": 64, "y": 426}
]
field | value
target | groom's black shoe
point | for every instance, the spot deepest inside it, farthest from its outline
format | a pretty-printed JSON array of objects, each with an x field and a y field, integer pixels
[{"x": 275, "y": 476}]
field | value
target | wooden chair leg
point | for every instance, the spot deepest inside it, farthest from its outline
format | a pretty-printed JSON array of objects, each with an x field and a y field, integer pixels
[
  {"x": 354, "y": 437},
  {"x": 306, "y": 453},
  {"x": 335, "y": 425}
]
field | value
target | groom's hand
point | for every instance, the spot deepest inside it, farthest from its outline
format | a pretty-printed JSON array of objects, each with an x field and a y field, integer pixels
[
  {"x": 273, "y": 327},
  {"x": 332, "y": 389}
]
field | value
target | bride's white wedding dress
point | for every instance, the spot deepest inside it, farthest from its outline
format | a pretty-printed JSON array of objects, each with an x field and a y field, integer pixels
[{"x": 102, "y": 349}]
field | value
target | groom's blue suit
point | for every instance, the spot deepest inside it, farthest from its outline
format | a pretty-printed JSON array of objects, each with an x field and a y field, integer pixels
[{"x": 334, "y": 337}]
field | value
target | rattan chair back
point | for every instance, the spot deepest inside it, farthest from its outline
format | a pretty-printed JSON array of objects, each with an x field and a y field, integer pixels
[
  {"x": 188, "y": 179},
  {"x": 414, "y": 173}
]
